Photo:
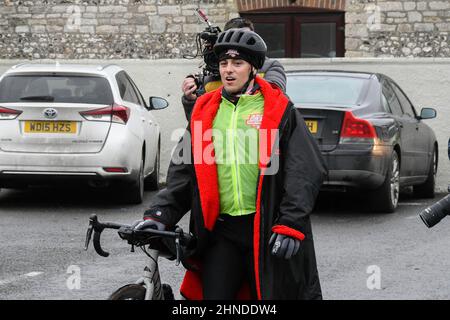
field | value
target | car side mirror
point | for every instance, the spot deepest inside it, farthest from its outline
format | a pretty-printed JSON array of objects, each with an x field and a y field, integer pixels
[
  {"x": 427, "y": 113},
  {"x": 157, "y": 103}
]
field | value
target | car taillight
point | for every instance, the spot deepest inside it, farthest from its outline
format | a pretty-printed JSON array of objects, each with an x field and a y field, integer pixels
[
  {"x": 353, "y": 127},
  {"x": 115, "y": 169},
  {"x": 116, "y": 113},
  {"x": 120, "y": 114},
  {"x": 8, "y": 114}
]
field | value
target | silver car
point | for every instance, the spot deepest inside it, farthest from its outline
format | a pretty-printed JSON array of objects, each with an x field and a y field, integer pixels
[{"x": 80, "y": 122}]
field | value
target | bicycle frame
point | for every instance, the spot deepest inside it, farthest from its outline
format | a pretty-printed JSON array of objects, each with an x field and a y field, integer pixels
[{"x": 151, "y": 279}]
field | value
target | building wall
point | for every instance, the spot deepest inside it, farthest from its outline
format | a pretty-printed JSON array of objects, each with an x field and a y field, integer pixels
[
  {"x": 401, "y": 28},
  {"x": 424, "y": 80},
  {"x": 156, "y": 29},
  {"x": 105, "y": 29}
]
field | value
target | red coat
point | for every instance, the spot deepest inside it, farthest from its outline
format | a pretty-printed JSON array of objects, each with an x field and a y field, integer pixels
[{"x": 285, "y": 197}]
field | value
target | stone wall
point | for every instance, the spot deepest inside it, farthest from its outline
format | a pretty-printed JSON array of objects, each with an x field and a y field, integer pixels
[
  {"x": 402, "y": 28},
  {"x": 105, "y": 29},
  {"x": 154, "y": 29}
]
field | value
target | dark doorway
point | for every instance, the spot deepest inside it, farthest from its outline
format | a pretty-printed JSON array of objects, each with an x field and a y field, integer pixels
[{"x": 301, "y": 35}]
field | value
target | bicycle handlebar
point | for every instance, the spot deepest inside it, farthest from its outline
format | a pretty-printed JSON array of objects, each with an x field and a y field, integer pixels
[{"x": 98, "y": 227}]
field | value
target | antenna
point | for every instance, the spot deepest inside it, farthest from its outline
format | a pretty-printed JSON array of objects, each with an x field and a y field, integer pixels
[{"x": 203, "y": 16}]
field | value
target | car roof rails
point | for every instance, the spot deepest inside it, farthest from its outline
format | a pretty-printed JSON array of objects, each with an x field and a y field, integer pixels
[
  {"x": 101, "y": 68},
  {"x": 57, "y": 63},
  {"x": 19, "y": 65}
]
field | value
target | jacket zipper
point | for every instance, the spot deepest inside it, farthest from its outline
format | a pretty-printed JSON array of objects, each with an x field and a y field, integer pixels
[{"x": 236, "y": 166}]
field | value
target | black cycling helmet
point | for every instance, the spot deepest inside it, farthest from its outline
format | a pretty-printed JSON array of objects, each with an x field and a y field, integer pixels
[{"x": 245, "y": 44}]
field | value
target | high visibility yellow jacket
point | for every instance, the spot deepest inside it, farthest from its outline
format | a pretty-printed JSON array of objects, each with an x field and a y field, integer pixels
[{"x": 236, "y": 145}]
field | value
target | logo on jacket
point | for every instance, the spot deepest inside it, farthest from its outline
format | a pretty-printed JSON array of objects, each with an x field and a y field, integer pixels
[{"x": 254, "y": 120}]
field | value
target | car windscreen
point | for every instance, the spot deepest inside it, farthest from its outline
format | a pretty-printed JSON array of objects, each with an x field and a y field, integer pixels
[
  {"x": 55, "y": 88},
  {"x": 324, "y": 89}
]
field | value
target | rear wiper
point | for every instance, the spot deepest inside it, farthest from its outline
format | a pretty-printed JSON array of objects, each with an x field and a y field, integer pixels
[{"x": 38, "y": 98}]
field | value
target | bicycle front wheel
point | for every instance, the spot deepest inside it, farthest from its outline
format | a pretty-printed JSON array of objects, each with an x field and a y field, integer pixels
[{"x": 129, "y": 292}]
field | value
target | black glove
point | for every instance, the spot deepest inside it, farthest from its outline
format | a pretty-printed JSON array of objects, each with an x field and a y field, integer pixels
[
  {"x": 148, "y": 223},
  {"x": 283, "y": 246}
]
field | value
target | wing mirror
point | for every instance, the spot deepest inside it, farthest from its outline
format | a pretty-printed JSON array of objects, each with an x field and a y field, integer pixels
[
  {"x": 157, "y": 103},
  {"x": 427, "y": 113}
]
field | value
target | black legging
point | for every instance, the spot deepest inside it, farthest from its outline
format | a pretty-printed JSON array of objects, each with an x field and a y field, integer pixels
[{"x": 228, "y": 262}]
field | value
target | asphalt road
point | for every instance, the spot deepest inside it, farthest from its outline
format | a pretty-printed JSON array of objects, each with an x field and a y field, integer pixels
[{"x": 360, "y": 255}]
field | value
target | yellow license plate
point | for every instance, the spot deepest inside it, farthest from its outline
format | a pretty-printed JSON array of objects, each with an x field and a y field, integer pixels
[
  {"x": 312, "y": 125},
  {"x": 50, "y": 127}
]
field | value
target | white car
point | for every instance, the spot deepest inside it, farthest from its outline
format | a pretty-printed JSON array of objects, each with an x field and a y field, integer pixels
[{"x": 82, "y": 122}]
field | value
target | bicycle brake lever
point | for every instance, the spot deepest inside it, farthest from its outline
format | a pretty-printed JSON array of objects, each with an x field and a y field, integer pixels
[
  {"x": 177, "y": 244},
  {"x": 179, "y": 231},
  {"x": 92, "y": 219},
  {"x": 97, "y": 228},
  {"x": 88, "y": 236}
]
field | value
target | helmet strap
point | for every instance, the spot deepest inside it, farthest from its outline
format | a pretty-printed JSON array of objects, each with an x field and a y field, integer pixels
[{"x": 251, "y": 77}]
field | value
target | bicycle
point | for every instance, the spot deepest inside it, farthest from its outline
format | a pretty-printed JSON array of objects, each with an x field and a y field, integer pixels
[{"x": 149, "y": 286}]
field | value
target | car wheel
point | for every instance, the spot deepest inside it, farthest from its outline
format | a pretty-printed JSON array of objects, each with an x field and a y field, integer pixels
[
  {"x": 426, "y": 190},
  {"x": 135, "y": 191},
  {"x": 152, "y": 181},
  {"x": 385, "y": 198}
]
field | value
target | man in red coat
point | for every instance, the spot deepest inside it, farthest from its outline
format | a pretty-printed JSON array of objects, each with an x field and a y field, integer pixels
[{"x": 251, "y": 219}]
